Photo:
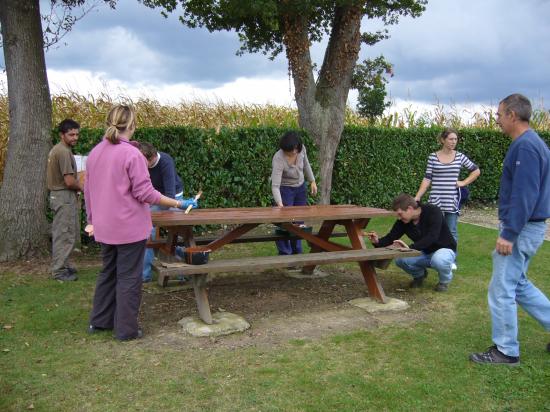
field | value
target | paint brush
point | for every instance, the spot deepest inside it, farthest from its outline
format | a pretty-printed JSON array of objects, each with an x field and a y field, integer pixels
[{"x": 197, "y": 197}]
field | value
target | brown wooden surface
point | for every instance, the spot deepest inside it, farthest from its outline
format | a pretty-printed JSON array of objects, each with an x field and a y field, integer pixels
[
  {"x": 270, "y": 262},
  {"x": 354, "y": 218},
  {"x": 228, "y": 216},
  {"x": 204, "y": 240}
]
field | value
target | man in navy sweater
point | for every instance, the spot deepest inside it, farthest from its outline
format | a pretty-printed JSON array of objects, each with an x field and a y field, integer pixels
[
  {"x": 523, "y": 207},
  {"x": 165, "y": 179},
  {"x": 425, "y": 225}
]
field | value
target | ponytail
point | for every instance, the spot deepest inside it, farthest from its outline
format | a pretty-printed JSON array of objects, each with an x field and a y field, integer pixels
[
  {"x": 119, "y": 119},
  {"x": 111, "y": 134}
]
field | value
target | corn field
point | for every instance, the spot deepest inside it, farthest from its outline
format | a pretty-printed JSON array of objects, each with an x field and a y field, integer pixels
[{"x": 90, "y": 112}]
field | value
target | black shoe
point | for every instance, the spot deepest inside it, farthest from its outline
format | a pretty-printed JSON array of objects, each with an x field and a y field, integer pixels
[
  {"x": 494, "y": 357},
  {"x": 138, "y": 336},
  {"x": 441, "y": 287},
  {"x": 95, "y": 329},
  {"x": 66, "y": 276},
  {"x": 548, "y": 348},
  {"x": 72, "y": 270},
  {"x": 417, "y": 282}
]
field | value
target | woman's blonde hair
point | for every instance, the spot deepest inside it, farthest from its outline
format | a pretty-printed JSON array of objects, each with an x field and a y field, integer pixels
[{"x": 119, "y": 119}]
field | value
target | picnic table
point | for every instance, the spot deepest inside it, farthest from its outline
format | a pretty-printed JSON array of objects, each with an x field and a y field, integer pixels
[{"x": 353, "y": 218}]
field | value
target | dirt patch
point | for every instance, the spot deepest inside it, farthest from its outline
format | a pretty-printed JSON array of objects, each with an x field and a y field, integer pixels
[
  {"x": 486, "y": 217},
  {"x": 482, "y": 216},
  {"x": 41, "y": 267},
  {"x": 278, "y": 308}
]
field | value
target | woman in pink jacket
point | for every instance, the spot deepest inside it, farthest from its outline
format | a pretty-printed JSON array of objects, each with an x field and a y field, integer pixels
[{"x": 118, "y": 192}]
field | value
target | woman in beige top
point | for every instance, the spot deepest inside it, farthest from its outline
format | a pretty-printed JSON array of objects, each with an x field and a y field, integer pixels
[{"x": 289, "y": 166}]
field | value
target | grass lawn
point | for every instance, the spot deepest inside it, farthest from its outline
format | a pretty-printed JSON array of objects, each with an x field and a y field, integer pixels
[{"x": 49, "y": 363}]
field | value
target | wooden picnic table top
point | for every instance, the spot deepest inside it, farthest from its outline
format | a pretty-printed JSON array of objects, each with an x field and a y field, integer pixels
[{"x": 316, "y": 213}]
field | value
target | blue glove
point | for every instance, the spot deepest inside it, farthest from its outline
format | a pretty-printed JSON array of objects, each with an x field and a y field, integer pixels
[{"x": 189, "y": 202}]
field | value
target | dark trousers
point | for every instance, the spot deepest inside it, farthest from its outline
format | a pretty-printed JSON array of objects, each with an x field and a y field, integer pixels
[
  {"x": 118, "y": 289},
  {"x": 292, "y": 196}
]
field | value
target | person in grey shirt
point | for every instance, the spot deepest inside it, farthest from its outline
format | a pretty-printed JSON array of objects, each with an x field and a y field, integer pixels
[{"x": 289, "y": 167}]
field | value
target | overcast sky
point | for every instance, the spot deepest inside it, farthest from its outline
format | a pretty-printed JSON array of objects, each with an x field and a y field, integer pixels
[{"x": 467, "y": 52}]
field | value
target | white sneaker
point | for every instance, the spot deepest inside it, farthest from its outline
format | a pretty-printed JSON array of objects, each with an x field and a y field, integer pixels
[{"x": 454, "y": 267}]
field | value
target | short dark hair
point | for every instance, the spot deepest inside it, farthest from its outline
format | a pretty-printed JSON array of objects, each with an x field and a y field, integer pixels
[
  {"x": 148, "y": 150},
  {"x": 66, "y": 125},
  {"x": 403, "y": 201},
  {"x": 519, "y": 104},
  {"x": 290, "y": 141}
]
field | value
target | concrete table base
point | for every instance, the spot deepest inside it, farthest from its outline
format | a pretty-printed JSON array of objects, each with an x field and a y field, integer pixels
[
  {"x": 225, "y": 323},
  {"x": 373, "y": 306}
]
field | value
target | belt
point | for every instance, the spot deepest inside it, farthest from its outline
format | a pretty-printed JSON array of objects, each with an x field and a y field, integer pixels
[{"x": 537, "y": 220}]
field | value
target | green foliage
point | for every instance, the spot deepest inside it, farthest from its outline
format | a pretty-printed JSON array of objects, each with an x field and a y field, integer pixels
[
  {"x": 372, "y": 165},
  {"x": 232, "y": 167},
  {"x": 368, "y": 79},
  {"x": 259, "y": 22}
]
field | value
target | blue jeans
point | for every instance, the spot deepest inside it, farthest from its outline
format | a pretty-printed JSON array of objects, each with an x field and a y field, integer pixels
[
  {"x": 510, "y": 286},
  {"x": 441, "y": 260},
  {"x": 150, "y": 253},
  {"x": 451, "y": 219},
  {"x": 292, "y": 196}
]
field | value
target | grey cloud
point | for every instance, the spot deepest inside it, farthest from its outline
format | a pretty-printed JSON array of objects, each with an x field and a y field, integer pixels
[
  {"x": 470, "y": 52},
  {"x": 466, "y": 51},
  {"x": 195, "y": 56}
]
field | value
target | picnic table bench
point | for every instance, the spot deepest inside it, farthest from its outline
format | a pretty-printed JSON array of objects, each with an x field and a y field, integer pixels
[
  {"x": 323, "y": 250},
  {"x": 257, "y": 264}
]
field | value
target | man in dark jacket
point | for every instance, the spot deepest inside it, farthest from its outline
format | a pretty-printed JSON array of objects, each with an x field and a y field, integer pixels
[
  {"x": 425, "y": 226},
  {"x": 165, "y": 179}
]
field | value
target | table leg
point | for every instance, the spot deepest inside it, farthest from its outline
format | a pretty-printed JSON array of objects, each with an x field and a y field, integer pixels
[
  {"x": 201, "y": 296},
  {"x": 199, "y": 284},
  {"x": 354, "y": 231},
  {"x": 325, "y": 231}
]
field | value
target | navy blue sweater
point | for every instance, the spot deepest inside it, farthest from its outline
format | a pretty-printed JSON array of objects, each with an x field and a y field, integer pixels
[
  {"x": 524, "y": 185},
  {"x": 165, "y": 178}
]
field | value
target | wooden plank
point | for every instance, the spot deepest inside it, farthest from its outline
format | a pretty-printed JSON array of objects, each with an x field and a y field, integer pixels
[
  {"x": 321, "y": 243},
  {"x": 316, "y": 213},
  {"x": 355, "y": 234},
  {"x": 204, "y": 240},
  {"x": 271, "y": 262},
  {"x": 231, "y": 236}
]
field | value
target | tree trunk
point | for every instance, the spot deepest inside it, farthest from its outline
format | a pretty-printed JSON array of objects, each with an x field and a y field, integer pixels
[
  {"x": 322, "y": 105},
  {"x": 23, "y": 221}
]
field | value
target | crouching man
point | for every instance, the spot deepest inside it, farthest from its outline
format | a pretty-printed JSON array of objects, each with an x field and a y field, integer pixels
[{"x": 425, "y": 226}]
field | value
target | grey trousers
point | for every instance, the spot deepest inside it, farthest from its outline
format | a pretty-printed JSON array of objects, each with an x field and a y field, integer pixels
[
  {"x": 65, "y": 228},
  {"x": 118, "y": 289}
]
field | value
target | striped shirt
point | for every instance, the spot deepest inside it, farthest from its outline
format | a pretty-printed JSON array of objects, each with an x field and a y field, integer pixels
[{"x": 443, "y": 177}]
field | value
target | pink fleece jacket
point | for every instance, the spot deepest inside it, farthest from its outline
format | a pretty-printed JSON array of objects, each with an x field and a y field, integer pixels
[{"x": 118, "y": 192}]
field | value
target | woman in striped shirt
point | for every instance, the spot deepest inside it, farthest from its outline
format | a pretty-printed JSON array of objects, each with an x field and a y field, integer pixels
[{"x": 442, "y": 174}]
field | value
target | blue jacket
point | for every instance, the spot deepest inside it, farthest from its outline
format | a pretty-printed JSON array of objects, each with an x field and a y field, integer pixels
[
  {"x": 165, "y": 178},
  {"x": 524, "y": 185}
]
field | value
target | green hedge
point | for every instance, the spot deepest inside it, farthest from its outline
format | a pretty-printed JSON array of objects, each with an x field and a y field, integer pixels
[{"x": 372, "y": 164}]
